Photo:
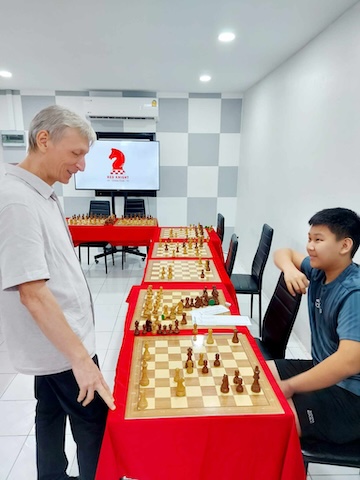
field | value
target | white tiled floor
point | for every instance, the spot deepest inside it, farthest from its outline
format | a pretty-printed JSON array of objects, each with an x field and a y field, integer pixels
[{"x": 17, "y": 440}]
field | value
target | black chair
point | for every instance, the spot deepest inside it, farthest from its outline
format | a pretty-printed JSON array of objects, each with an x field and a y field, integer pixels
[
  {"x": 231, "y": 255},
  {"x": 98, "y": 207},
  {"x": 133, "y": 207},
  {"x": 278, "y": 321},
  {"x": 252, "y": 284},
  {"x": 220, "y": 228},
  {"x": 343, "y": 455}
]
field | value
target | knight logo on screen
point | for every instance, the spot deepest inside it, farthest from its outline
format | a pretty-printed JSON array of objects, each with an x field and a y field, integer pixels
[{"x": 117, "y": 171}]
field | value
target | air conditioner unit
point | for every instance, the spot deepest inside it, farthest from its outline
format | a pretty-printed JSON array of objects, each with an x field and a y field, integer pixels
[{"x": 121, "y": 108}]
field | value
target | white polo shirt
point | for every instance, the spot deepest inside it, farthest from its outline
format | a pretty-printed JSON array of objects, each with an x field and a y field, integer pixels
[{"x": 35, "y": 244}]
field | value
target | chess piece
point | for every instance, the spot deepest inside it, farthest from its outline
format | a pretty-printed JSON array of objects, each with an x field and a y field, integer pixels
[
  {"x": 187, "y": 302},
  {"x": 202, "y": 274},
  {"x": 183, "y": 320},
  {"x": 176, "y": 329},
  {"x": 172, "y": 313},
  {"x": 189, "y": 367},
  {"x": 239, "y": 386},
  {"x": 144, "y": 380},
  {"x": 189, "y": 356},
  {"x": 177, "y": 375},
  {"x": 237, "y": 377},
  {"x": 180, "y": 389},
  {"x": 205, "y": 367},
  {"x": 136, "y": 331},
  {"x": 210, "y": 339},
  {"x": 195, "y": 329},
  {"x": 180, "y": 307},
  {"x": 148, "y": 325},
  {"x": 207, "y": 265},
  {"x": 235, "y": 338},
  {"x": 164, "y": 330},
  {"x": 144, "y": 332},
  {"x": 201, "y": 360},
  {"x": 225, "y": 384},
  {"x": 255, "y": 387},
  {"x": 146, "y": 354},
  {"x": 142, "y": 403},
  {"x": 217, "y": 360},
  {"x": 166, "y": 311},
  {"x": 198, "y": 302},
  {"x": 154, "y": 329}
]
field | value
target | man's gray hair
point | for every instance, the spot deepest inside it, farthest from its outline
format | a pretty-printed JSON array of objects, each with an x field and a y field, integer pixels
[{"x": 55, "y": 120}]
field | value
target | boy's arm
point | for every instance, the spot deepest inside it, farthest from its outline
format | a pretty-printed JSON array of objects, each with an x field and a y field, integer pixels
[
  {"x": 289, "y": 261},
  {"x": 342, "y": 364}
]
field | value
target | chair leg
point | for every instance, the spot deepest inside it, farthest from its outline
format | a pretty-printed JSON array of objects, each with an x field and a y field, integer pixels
[
  {"x": 88, "y": 255},
  {"x": 80, "y": 253},
  {"x": 251, "y": 305},
  {"x": 260, "y": 319},
  {"x": 105, "y": 260}
]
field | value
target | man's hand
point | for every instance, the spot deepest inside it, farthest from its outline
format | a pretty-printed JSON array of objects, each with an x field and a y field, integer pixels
[{"x": 91, "y": 380}]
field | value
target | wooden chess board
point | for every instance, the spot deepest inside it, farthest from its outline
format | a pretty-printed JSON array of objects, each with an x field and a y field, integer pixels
[
  {"x": 180, "y": 232},
  {"x": 176, "y": 249},
  {"x": 182, "y": 271},
  {"x": 132, "y": 222},
  {"x": 171, "y": 298},
  {"x": 203, "y": 396}
]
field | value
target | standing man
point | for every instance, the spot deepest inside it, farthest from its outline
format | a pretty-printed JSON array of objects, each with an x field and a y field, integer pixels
[
  {"x": 46, "y": 307},
  {"x": 324, "y": 392}
]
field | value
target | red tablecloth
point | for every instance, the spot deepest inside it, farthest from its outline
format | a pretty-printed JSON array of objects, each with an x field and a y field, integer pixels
[
  {"x": 138, "y": 235},
  {"x": 249, "y": 447}
]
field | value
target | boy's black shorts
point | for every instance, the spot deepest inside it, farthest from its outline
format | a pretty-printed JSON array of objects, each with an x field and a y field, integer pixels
[{"x": 331, "y": 414}]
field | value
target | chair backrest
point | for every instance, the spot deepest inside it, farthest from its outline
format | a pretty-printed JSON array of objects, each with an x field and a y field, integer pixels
[
  {"x": 279, "y": 319},
  {"x": 262, "y": 254},
  {"x": 319, "y": 451},
  {"x": 134, "y": 206},
  {"x": 99, "y": 207},
  {"x": 220, "y": 228},
  {"x": 231, "y": 255}
]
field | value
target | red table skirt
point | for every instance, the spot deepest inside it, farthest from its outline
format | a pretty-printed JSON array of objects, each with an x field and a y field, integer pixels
[
  {"x": 249, "y": 447},
  {"x": 115, "y": 235}
]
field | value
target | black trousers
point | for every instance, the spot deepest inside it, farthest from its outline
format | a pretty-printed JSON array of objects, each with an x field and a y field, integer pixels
[{"x": 56, "y": 399}]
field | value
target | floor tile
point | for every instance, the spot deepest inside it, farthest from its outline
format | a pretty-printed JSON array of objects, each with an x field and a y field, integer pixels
[
  {"x": 10, "y": 448},
  {"x": 16, "y": 417}
]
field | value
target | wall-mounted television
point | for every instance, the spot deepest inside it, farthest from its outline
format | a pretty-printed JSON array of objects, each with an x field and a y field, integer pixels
[{"x": 127, "y": 165}]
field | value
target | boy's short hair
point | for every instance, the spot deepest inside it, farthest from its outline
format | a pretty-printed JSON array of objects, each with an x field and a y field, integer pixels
[{"x": 342, "y": 222}]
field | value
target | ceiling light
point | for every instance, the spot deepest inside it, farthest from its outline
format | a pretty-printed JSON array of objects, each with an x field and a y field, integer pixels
[
  {"x": 205, "y": 78},
  {"x": 226, "y": 37},
  {"x": 5, "y": 74}
]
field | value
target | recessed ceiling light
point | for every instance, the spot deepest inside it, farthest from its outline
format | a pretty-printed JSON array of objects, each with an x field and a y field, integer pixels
[
  {"x": 5, "y": 74},
  {"x": 226, "y": 37},
  {"x": 205, "y": 78}
]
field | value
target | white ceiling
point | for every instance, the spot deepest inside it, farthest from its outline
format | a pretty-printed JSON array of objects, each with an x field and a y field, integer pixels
[{"x": 154, "y": 45}]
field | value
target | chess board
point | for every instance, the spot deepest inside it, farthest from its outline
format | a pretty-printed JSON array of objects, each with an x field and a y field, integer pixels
[
  {"x": 173, "y": 250},
  {"x": 180, "y": 232},
  {"x": 171, "y": 298},
  {"x": 203, "y": 396},
  {"x": 137, "y": 221},
  {"x": 182, "y": 271}
]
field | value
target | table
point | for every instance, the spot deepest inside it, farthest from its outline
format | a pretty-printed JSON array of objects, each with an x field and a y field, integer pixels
[
  {"x": 116, "y": 235},
  {"x": 205, "y": 447}
]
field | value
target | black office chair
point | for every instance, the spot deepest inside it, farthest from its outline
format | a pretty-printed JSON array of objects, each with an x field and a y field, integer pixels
[
  {"x": 220, "y": 228},
  {"x": 98, "y": 207},
  {"x": 252, "y": 284},
  {"x": 133, "y": 207},
  {"x": 231, "y": 255},
  {"x": 278, "y": 321},
  {"x": 343, "y": 455}
]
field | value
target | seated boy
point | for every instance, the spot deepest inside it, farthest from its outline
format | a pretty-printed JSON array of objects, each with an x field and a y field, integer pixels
[{"x": 324, "y": 392}]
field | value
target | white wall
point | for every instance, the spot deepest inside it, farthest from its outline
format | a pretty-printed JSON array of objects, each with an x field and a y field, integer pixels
[{"x": 300, "y": 149}]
